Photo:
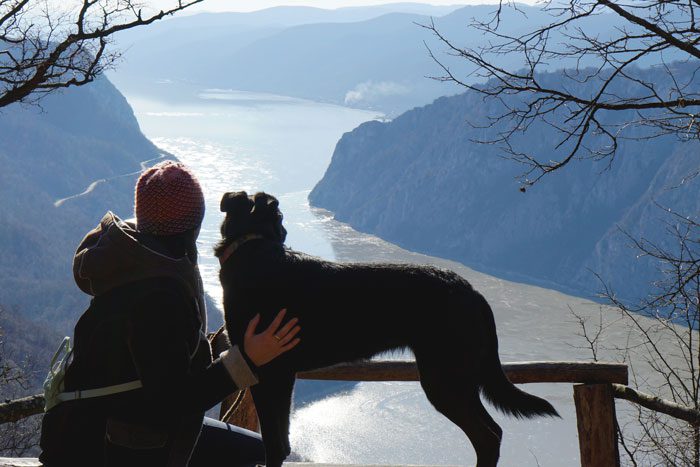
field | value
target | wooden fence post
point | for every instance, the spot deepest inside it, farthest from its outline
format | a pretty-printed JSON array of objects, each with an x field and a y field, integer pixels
[
  {"x": 595, "y": 417},
  {"x": 244, "y": 415}
]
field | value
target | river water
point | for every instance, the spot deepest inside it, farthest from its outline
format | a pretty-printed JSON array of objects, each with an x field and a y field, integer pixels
[{"x": 244, "y": 141}]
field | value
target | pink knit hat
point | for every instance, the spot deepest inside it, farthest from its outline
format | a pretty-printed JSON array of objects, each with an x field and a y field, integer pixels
[{"x": 168, "y": 200}]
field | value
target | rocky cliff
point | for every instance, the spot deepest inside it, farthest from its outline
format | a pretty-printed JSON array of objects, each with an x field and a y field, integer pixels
[
  {"x": 84, "y": 139},
  {"x": 422, "y": 182}
]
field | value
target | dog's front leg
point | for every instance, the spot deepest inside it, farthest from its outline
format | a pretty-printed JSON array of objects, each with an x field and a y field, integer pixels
[{"x": 273, "y": 400}]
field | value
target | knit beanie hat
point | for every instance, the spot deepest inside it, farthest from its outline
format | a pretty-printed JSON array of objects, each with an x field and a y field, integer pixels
[{"x": 168, "y": 200}]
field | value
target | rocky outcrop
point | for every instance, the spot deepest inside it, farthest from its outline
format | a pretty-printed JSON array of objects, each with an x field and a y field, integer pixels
[{"x": 422, "y": 182}]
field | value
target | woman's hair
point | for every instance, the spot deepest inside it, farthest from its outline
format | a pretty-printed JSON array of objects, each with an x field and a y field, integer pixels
[{"x": 176, "y": 246}]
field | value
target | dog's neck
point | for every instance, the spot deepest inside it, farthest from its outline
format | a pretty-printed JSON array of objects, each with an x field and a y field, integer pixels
[{"x": 236, "y": 244}]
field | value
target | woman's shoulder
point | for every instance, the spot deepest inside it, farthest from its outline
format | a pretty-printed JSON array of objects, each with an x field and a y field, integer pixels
[
  {"x": 147, "y": 298},
  {"x": 159, "y": 287}
]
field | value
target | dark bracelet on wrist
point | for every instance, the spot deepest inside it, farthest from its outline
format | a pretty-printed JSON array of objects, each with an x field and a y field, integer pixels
[{"x": 247, "y": 359}]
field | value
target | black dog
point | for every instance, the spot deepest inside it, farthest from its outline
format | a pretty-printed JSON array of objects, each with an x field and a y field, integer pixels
[{"x": 354, "y": 311}]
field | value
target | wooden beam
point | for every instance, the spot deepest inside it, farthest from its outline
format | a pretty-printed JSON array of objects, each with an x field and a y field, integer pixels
[
  {"x": 595, "y": 418},
  {"x": 522, "y": 372},
  {"x": 14, "y": 410},
  {"x": 19, "y": 462},
  {"x": 243, "y": 414},
  {"x": 519, "y": 373}
]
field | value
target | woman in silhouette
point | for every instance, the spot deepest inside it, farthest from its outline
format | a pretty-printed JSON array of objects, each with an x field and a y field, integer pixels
[{"x": 142, "y": 373}]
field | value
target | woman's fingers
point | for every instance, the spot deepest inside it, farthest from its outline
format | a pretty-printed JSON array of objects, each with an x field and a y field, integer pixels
[
  {"x": 288, "y": 336},
  {"x": 290, "y": 345},
  {"x": 272, "y": 328},
  {"x": 273, "y": 341},
  {"x": 250, "y": 330},
  {"x": 287, "y": 327}
]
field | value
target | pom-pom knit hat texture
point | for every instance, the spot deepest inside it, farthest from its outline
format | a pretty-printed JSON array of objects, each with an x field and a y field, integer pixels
[{"x": 168, "y": 200}]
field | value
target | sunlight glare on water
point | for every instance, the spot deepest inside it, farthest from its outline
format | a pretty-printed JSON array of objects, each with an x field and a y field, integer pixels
[
  {"x": 220, "y": 169},
  {"x": 250, "y": 142},
  {"x": 239, "y": 141}
]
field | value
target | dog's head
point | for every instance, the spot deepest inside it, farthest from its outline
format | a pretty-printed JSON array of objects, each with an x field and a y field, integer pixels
[{"x": 258, "y": 214}]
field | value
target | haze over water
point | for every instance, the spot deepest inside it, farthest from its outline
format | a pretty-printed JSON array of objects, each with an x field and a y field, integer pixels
[{"x": 244, "y": 141}]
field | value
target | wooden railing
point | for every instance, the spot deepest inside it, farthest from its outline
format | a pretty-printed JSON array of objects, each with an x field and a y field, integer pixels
[
  {"x": 596, "y": 385},
  {"x": 593, "y": 396}
]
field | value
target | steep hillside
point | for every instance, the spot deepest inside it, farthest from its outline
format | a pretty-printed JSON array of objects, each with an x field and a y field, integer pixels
[
  {"x": 422, "y": 182},
  {"x": 50, "y": 153}
]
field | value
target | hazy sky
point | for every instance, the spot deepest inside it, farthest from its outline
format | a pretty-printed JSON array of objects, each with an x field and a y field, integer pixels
[{"x": 250, "y": 5}]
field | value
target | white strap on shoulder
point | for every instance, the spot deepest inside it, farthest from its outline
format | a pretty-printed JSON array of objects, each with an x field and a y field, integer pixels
[{"x": 99, "y": 392}]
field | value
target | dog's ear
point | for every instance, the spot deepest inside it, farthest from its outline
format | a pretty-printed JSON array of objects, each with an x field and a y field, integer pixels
[
  {"x": 236, "y": 202},
  {"x": 267, "y": 215},
  {"x": 237, "y": 206},
  {"x": 266, "y": 206},
  {"x": 272, "y": 203}
]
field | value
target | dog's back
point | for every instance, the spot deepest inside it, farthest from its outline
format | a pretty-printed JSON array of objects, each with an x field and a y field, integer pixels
[{"x": 354, "y": 311}]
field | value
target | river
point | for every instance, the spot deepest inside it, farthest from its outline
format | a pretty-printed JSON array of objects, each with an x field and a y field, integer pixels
[{"x": 245, "y": 141}]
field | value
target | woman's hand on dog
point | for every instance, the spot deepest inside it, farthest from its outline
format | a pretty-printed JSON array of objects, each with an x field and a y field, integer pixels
[{"x": 273, "y": 341}]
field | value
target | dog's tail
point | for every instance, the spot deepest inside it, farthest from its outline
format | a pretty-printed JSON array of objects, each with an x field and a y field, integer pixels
[
  {"x": 507, "y": 398},
  {"x": 498, "y": 389}
]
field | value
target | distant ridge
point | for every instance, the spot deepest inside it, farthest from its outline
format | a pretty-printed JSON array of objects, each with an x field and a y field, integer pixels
[
  {"x": 376, "y": 54},
  {"x": 365, "y": 57}
]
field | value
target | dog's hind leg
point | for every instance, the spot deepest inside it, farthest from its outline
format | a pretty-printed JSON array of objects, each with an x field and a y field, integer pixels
[
  {"x": 273, "y": 399},
  {"x": 458, "y": 399}
]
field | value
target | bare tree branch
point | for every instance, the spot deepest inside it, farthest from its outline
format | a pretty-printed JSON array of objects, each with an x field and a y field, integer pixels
[
  {"x": 604, "y": 78},
  {"x": 657, "y": 404},
  {"x": 18, "y": 409},
  {"x": 42, "y": 51}
]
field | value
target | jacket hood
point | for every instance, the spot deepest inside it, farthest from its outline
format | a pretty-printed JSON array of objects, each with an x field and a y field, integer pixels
[{"x": 110, "y": 255}]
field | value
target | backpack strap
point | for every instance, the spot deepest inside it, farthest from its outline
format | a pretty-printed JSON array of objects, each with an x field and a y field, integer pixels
[
  {"x": 99, "y": 392},
  {"x": 54, "y": 384}
]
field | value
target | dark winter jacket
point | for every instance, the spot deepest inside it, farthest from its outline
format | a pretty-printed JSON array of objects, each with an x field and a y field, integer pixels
[{"x": 146, "y": 322}]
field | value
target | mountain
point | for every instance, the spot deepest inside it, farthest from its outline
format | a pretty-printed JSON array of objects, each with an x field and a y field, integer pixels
[
  {"x": 178, "y": 44},
  {"x": 372, "y": 57},
  {"x": 83, "y": 139},
  {"x": 365, "y": 57},
  {"x": 49, "y": 153},
  {"x": 280, "y": 17},
  {"x": 198, "y": 48},
  {"x": 421, "y": 181}
]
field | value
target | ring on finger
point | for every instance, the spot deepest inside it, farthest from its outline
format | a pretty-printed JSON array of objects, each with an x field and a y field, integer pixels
[{"x": 277, "y": 338}]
